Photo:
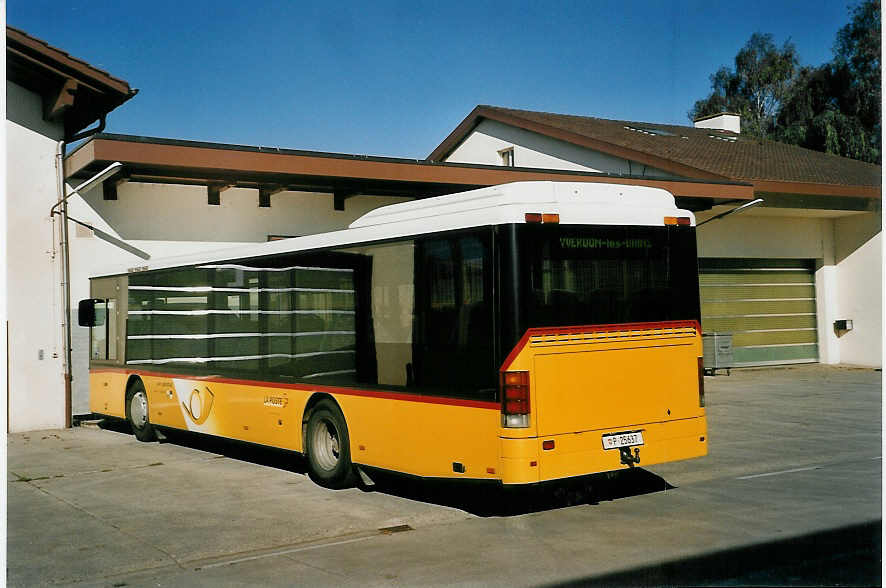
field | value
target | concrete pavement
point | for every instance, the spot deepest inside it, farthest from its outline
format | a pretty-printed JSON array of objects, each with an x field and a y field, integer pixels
[{"x": 794, "y": 468}]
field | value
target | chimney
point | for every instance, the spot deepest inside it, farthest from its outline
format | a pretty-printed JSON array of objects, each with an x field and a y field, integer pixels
[{"x": 725, "y": 121}]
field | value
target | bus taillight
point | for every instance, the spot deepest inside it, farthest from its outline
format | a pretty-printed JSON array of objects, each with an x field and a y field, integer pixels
[
  {"x": 514, "y": 399},
  {"x": 701, "y": 381}
]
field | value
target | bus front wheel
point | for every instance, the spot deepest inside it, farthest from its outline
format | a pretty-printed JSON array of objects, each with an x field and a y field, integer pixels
[
  {"x": 328, "y": 448},
  {"x": 137, "y": 412}
]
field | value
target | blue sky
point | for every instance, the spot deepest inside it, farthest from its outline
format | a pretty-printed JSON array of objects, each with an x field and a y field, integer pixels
[{"x": 394, "y": 78}]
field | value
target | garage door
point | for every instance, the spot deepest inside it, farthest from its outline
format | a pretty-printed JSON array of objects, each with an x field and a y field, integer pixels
[{"x": 767, "y": 304}]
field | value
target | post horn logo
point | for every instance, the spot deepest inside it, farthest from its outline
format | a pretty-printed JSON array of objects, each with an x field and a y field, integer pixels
[{"x": 199, "y": 405}]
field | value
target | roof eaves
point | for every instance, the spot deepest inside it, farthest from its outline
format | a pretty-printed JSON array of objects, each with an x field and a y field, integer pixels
[
  {"x": 198, "y": 159},
  {"x": 816, "y": 189},
  {"x": 54, "y": 56},
  {"x": 168, "y": 142},
  {"x": 459, "y": 134}
]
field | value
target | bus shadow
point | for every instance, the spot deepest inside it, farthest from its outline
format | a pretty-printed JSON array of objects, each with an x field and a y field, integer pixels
[
  {"x": 115, "y": 425},
  {"x": 480, "y": 498},
  {"x": 490, "y": 499},
  {"x": 280, "y": 459}
]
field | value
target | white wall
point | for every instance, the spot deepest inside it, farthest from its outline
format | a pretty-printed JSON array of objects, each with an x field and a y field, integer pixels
[
  {"x": 746, "y": 235},
  {"x": 859, "y": 274},
  {"x": 180, "y": 213},
  {"x": 25, "y": 108},
  {"x": 534, "y": 150},
  {"x": 36, "y": 386}
]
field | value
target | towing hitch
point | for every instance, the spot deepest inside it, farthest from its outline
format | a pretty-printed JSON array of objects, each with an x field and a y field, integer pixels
[{"x": 628, "y": 459}]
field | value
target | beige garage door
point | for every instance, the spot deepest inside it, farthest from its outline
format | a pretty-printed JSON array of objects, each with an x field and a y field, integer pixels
[{"x": 767, "y": 304}]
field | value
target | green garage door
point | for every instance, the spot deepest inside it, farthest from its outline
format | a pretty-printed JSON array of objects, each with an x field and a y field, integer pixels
[{"x": 767, "y": 304}]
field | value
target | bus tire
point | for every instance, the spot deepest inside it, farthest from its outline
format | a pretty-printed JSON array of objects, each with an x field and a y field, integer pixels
[
  {"x": 137, "y": 412},
  {"x": 328, "y": 448}
]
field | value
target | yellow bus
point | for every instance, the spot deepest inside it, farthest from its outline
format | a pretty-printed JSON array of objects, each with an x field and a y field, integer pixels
[{"x": 519, "y": 333}]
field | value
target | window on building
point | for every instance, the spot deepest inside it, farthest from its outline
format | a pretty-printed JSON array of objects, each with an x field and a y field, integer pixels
[{"x": 507, "y": 157}]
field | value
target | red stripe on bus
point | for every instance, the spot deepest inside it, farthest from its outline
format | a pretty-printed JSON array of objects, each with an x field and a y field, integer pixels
[
  {"x": 536, "y": 331},
  {"x": 300, "y": 386}
]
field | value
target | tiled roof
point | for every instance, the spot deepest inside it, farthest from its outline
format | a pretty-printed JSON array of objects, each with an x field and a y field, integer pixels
[{"x": 687, "y": 149}]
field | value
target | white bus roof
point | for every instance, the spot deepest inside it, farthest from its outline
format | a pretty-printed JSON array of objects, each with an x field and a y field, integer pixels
[{"x": 576, "y": 203}]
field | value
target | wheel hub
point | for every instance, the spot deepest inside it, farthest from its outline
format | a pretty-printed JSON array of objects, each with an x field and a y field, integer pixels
[
  {"x": 138, "y": 409},
  {"x": 326, "y": 445}
]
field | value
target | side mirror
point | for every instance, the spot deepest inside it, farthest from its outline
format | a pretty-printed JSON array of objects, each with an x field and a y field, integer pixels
[{"x": 87, "y": 315}]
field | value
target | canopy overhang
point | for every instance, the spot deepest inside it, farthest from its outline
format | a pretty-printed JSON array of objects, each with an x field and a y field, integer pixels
[{"x": 273, "y": 170}]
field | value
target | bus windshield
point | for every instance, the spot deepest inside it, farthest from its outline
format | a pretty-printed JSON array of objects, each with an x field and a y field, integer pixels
[{"x": 586, "y": 275}]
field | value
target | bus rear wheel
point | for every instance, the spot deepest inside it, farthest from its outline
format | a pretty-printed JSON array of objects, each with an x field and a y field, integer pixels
[
  {"x": 328, "y": 447},
  {"x": 137, "y": 412}
]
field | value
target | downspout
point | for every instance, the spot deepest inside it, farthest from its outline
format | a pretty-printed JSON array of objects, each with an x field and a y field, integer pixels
[
  {"x": 66, "y": 258},
  {"x": 66, "y": 276},
  {"x": 89, "y": 132}
]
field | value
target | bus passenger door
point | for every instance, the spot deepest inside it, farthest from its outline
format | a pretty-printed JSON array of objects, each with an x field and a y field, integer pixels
[
  {"x": 453, "y": 341},
  {"x": 96, "y": 388}
]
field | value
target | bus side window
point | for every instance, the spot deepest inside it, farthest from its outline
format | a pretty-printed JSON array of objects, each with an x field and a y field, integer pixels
[{"x": 103, "y": 335}]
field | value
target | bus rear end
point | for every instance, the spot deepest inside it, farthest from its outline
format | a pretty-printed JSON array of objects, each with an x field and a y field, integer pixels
[{"x": 607, "y": 373}]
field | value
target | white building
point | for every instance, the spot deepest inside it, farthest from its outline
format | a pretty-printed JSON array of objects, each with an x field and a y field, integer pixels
[{"x": 50, "y": 97}]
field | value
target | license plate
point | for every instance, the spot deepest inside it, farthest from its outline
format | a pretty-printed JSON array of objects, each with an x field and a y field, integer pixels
[{"x": 616, "y": 440}]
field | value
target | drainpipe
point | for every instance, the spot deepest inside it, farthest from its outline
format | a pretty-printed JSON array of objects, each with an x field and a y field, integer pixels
[
  {"x": 62, "y": 206},
  {"x": 66, "y": 276},
  {"x": 66, "y": 258},
  {"x": 90, "y": 132}
]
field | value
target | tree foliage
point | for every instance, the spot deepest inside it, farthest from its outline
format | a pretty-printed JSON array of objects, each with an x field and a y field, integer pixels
[
  {"x": 834, "y": 107},
  {"x": 756, "y": 86}
]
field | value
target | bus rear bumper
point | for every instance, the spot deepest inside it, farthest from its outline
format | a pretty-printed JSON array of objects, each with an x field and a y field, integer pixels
[{"x": 525, "y": 461}]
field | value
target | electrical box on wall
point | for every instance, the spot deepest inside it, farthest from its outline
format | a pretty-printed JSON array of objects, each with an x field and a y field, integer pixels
[{"x": 843, "y": 325}]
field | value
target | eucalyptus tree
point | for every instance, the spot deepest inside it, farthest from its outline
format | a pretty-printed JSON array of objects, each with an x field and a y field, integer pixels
[
  {"x": 755, "y": 87},
  {"x": 834, "y": 107}
]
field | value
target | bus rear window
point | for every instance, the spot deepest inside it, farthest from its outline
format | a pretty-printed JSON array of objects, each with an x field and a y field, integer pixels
[{"x": 582, "y": 275}]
